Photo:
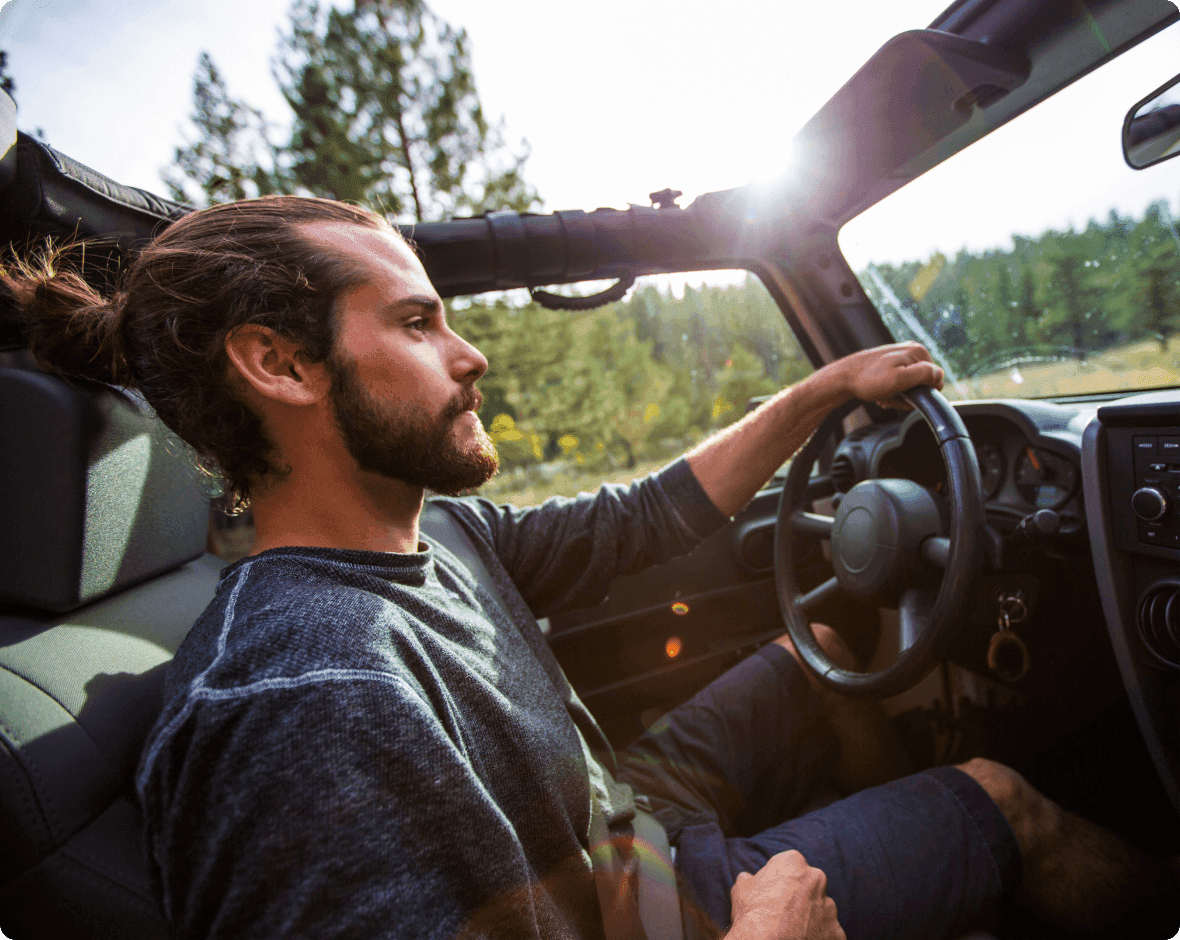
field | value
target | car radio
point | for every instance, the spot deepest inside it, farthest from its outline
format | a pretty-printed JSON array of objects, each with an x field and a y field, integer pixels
[
  {"x": 1143, "y": 467},
  {"x": 1156, "y": 499}
]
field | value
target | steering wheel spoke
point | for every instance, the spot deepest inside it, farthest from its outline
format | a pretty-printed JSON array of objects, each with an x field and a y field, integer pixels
[
  {"x": 810, "y": 523},
  {"x": 936, "y": 551},
  {"x": 913, "y": 614},
  {"x": 817, "y": 595},
  {"x": 819, "y": 487}
]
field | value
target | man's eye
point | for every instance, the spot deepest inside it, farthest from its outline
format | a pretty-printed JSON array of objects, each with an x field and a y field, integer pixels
[{"x": 419, "y": 325}]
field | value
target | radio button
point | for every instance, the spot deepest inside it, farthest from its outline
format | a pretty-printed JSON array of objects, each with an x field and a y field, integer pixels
[{"x": 1150, "y": 504}]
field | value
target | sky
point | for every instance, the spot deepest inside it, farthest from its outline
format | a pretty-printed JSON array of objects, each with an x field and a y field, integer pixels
[{"x": 616, "y": 99}]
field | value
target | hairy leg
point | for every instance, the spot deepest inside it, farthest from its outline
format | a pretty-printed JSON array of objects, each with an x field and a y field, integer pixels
[
  {"x": 871, "y": 752},
  {"x": 1078, "y": 875}
]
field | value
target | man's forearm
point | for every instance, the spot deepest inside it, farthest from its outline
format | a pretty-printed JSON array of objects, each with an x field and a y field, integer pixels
[{"x": 735, "y": 463}]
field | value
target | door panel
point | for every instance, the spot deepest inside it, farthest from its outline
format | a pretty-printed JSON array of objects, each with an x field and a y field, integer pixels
[{"x": 714, "y": 606}]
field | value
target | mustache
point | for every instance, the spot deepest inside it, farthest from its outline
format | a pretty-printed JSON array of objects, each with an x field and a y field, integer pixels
[{"x": 468, "y": 398}]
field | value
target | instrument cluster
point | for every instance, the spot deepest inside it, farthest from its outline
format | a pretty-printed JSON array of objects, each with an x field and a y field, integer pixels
[
  {"x": 1040, "y": 479},
  {"x": 1018, "y": 473}
]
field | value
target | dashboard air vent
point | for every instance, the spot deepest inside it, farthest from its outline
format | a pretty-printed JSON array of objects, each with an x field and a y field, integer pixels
[
  {"x": 843, "y": 473},
  {"x": 1159, "y": 622}
]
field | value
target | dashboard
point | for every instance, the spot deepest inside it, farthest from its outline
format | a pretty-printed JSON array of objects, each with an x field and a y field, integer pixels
[
  {"x": 1111, "y": 474},
  {"x": 1029, "y": 458}
]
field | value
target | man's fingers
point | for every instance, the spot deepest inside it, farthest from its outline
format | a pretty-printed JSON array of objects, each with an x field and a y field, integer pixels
[
  {"x": 786, "y": 898},
  {"x": 792, "y": 858},
  {"x": 913, "y": 375},
  {"x": 740, "y": 885},
  {"x": 927, "y": 373},
  {"x": 923, "y": 372}
]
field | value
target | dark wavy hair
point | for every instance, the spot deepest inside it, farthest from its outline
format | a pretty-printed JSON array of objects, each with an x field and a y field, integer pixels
[{"x": 163, "y": 331}]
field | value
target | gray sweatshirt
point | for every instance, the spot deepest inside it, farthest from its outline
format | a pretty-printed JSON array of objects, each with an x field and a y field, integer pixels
[{"x": 361, "y": 744}]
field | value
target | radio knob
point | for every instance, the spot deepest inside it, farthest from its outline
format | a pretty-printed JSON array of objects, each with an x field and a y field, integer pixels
[{"x": 1149, "y": 504}]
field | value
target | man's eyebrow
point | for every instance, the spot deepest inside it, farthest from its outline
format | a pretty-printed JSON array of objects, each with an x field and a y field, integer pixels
[{"x": 415, "y": 304}]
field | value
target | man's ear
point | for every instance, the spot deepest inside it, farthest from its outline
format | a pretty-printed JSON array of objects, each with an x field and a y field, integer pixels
[{"x": 274, "y": 366}]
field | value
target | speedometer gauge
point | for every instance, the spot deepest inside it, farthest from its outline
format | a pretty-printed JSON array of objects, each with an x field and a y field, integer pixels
[
  {"x": 991, "y": 467},
  {"x": 1044, "y": 479}
]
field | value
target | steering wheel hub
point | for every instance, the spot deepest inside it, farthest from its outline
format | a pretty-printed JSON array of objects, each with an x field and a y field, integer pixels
[
  {"x": 857, "y": 534},
  {"x": 877, "y": 532}
]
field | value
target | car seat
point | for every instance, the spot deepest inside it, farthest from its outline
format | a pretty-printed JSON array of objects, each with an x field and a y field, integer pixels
[{"x": 103, "y": 570}]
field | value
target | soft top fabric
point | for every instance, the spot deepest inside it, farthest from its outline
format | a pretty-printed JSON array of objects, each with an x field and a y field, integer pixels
[{"x": 53, "y": 194}]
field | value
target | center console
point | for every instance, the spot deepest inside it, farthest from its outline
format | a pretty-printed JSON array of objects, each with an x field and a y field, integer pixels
[{"x": 1131, "y": 478}]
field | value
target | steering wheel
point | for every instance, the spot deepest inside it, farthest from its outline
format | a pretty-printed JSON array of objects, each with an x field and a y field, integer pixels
[{"x": 887, "y": 545}]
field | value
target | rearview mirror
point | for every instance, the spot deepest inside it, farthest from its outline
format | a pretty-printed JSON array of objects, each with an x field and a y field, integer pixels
[{"x": 1151, "y": 132}]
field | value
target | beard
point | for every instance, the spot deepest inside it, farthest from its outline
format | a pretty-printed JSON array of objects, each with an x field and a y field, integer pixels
[{"x": 400, "y": 441}]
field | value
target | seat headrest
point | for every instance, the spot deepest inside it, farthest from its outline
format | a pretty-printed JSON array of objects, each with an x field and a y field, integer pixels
[
  {"x": 96, "y": 494},
  {"x": 7, "y": 141}
]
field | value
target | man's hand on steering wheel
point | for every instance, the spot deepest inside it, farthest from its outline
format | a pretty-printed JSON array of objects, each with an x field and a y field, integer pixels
[
  {"x": 733, "y": 465},
  {"x": 880, "y": 374}
]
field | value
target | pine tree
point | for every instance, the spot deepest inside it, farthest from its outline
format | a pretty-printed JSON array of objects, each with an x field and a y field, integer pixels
[
  {"x": 384, "y": 112},
  {"x": 1072, "y": 295},
  {"x": 1158, "y": 270},
  {"x": 233, "y": 156}
]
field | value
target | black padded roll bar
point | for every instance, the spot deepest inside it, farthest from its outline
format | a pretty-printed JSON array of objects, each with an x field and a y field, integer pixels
[
  {"x": 44, "y": 192},
  {"x": 503, "y": 250}
]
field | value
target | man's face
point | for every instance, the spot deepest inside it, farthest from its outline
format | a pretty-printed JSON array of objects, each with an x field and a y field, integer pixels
[{"x": 402, "y": 382}]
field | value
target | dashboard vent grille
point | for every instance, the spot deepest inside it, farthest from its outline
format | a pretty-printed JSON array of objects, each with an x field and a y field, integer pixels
[
  {"x": 1159, "y": 622},
  {"x": 843, "y": 473}
]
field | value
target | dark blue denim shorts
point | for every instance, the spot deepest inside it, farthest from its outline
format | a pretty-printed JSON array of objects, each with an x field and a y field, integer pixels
[{"x": 741, "y": 772}]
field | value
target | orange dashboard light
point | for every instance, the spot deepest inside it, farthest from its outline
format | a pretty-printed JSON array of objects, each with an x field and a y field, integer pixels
[
  {"x": 672, "y": 647},
  {"x": 680, "y": 608}
]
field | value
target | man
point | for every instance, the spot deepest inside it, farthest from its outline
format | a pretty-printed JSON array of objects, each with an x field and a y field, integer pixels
[{"x": 357, "y": 741}]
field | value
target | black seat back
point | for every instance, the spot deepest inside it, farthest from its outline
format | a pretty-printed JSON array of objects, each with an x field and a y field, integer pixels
[{"x": 102, "y": 572}]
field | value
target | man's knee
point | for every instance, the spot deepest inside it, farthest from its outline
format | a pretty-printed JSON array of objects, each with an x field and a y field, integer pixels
[
  {"x": 829, "y": 641},
  {"x": 1032, "y": 817}
]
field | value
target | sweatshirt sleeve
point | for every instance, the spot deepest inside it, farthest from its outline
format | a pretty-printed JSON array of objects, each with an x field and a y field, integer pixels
[
  {"x": 336, "y": 807},
  {"x": 565, "y": 553}
]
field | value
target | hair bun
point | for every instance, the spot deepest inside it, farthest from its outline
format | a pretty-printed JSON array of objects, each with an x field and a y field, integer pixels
[{"x": 71, "y": 328}]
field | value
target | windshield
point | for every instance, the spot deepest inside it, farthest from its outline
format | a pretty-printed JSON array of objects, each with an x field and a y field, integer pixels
[{"x": 1037, "y": 263}]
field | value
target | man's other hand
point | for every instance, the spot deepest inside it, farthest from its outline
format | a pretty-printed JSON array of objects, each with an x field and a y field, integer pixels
[
  {"x": 881, "y": 373},
  {"x": 786, "y": 900}
]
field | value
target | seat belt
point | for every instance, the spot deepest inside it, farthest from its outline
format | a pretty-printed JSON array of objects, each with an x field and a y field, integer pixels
[
  {"x": 617, "y": 892},
  {"x": 658, "y": 898}
]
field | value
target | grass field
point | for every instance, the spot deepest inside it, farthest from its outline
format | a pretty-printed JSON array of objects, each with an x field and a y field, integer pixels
[{"x": 1141, "y": 365}]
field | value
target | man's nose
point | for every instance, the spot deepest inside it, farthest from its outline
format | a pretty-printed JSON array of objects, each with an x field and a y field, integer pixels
[{"x": 467, "y": 362}]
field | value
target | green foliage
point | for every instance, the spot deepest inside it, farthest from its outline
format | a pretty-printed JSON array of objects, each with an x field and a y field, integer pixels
[
  {"x": 1062, "y": 293},
  {"x": 743, "y": 377},
  {"x": 606, "y": 389},
  {"x": 233, "y": 156},
  {"x": 384, "y": 112}
]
